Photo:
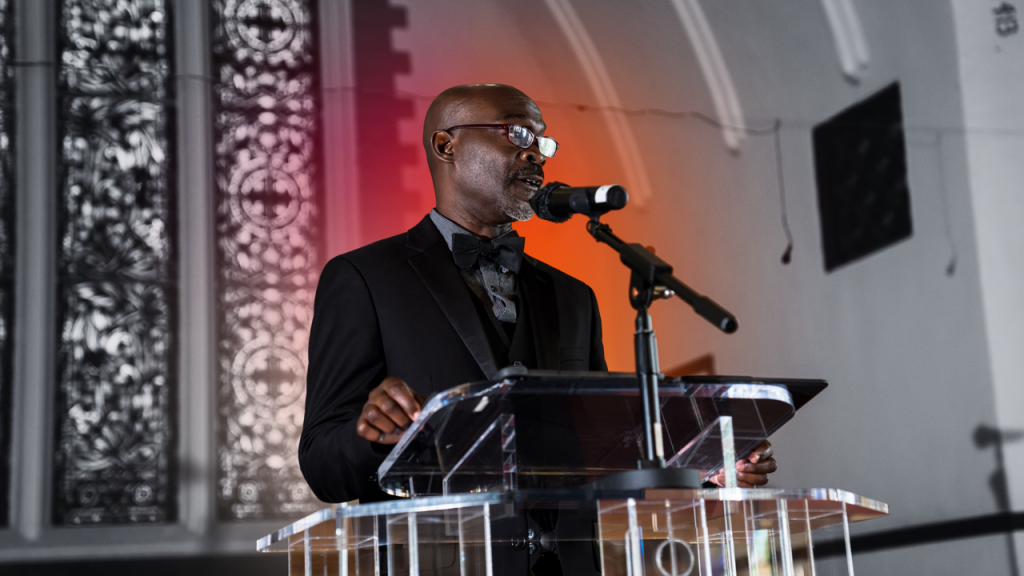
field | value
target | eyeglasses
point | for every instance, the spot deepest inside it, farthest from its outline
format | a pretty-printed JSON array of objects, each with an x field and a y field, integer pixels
[{"x": 520, "y": 136}]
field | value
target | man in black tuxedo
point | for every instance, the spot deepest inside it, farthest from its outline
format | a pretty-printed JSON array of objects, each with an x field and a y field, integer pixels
[
  {"x": 401, "y": 319},
  {"x": 452, "y": 300}
]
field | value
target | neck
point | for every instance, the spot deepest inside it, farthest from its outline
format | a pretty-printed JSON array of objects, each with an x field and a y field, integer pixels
[{"x": 473, "y": 223}]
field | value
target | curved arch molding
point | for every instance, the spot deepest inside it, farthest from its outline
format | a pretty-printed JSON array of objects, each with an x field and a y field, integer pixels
[
  {"x": 848, "y": 35},
  {"x": 847, "y": 32},
  {"x": 716, "y": 73},
  {"x": 607, "y": 97}
]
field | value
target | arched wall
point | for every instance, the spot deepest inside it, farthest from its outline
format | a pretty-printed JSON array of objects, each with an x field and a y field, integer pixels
[{"x": 901, "y": 341}]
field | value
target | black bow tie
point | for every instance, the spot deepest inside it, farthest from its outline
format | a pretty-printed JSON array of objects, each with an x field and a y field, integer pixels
[{"x": 505, "y": 250}]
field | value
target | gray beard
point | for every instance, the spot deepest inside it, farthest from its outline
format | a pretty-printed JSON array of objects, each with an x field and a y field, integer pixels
[{"x": 518, "y": 211}]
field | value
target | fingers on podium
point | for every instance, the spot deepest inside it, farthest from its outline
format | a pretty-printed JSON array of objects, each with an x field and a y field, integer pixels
[
  {"x": 390, "y": 409},
  {"x": 764, "y": 451},
  {"x": 762, "y": 467},
  {"x": 754, "y": 470},
  {"x": 380, "y": 420},
  {"x": 750, "y": 480},
  {"x": 393, "y": 412},
  {"x": 369, "y": 431},
  {"x": 376, "y": 427},
  {"x": 397, "y": 391}
]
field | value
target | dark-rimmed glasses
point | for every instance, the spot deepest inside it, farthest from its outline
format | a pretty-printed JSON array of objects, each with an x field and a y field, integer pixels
[{"x": 520, "y": 136}]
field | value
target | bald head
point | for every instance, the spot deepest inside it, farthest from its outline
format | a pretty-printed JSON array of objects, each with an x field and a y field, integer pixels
[{"x": 470, "y": 104}]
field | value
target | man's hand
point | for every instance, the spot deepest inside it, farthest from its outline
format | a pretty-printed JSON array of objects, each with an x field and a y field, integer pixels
[
  {"x": 752, "y": 470},
  {"x": 391, "y": 408}
]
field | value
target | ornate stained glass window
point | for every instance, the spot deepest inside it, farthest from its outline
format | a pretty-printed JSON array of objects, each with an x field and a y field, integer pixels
[
  {"x": 116, "y": 272},
  {"x": 6, "y": 255},
  {"x": 267, "y": 144}
]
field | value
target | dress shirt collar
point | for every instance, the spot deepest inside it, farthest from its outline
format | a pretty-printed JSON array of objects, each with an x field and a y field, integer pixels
[{"x": 447, "y": 228}]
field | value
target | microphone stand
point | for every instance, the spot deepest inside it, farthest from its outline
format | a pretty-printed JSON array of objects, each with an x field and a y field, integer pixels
[{"x": 652, "y": 279}]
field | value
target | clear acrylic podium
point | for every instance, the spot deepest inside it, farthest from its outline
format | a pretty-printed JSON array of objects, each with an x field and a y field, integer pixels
[{"x": 497, "y": 479}]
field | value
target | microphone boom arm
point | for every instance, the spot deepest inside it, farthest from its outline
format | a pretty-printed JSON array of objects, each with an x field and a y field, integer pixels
[
  {"x": 656, "y": 272},
  {"x": 649, "y": 274}
]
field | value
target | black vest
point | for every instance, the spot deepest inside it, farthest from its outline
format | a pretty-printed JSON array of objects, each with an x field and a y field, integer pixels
[{"x": 510, "y": 343}]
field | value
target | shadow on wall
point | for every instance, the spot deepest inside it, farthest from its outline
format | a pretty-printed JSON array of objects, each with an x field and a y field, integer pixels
[
  {"x": 380, "y": 149},
  {"x": 988, "y": 437}
]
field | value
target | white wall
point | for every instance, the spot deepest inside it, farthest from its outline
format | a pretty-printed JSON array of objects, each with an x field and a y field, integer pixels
[
  {"x": 916, "y": 358},
  {"x": 991, "y": 70},
  {"x": 900, "y": 341}
]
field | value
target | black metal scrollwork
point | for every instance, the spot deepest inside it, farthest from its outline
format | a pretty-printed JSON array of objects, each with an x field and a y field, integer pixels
[
  {"x": 6, "y": 255},
  {"x": 116, "y": 273},
  {"x": 266, "y": 137}
]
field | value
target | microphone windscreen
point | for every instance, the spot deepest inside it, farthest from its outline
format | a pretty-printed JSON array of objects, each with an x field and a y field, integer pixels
[{"x": 541, "y": 204}]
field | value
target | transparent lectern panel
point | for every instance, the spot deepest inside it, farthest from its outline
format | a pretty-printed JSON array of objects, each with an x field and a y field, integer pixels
[
  {"x": 551, "y": 430},
  {"x": 341, "y": 546},
  {"x": 760, "y": 537},
  {"x": 725, "y": 532}
]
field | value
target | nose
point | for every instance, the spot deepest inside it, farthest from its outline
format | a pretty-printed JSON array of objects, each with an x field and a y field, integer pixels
[{"x": 533, "y": 155}]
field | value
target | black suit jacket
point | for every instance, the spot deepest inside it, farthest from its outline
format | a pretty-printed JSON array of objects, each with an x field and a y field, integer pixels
[{"x": 399, "y": 307}]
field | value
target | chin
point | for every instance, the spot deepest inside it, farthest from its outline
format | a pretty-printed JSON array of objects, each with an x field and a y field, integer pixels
[{"x": 520, "y": 213}]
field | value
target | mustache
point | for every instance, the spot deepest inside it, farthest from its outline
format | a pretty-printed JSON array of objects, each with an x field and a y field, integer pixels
[{"x": 525, "y": 172}]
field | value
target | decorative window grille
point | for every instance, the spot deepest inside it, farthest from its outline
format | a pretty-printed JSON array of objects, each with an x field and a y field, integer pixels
[
  {"x": 266, "y": 165},
  {"x": 116, "y": 272},
  {"x": 6, "y": 255}
]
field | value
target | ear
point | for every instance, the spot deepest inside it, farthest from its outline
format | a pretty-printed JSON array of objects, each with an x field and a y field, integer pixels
[{"x": 442, "y": 147}]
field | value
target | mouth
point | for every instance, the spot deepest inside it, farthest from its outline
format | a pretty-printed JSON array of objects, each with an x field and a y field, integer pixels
[{"x": 532, "y": 181}]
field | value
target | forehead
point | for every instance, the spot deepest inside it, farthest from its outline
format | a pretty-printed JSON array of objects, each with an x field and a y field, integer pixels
[{"x": 509, "y": 108}]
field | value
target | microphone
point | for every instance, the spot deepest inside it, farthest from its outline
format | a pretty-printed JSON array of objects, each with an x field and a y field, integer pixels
[{"x": 557, "y": 202}]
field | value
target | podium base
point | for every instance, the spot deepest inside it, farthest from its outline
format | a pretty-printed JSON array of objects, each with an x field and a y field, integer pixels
[{"x": 649, "y": 479}]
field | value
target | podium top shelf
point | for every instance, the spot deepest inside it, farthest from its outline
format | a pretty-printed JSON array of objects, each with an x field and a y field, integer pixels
[{"x": 562, "y": 430}]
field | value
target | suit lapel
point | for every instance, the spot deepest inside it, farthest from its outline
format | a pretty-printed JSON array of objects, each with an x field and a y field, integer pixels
[
  {"x": 432, "y": 261},
  {"x": 539, "y": 292}
]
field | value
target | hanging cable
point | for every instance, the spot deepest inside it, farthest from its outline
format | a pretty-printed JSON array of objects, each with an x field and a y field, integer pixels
[{"x": 787, "y": 255}]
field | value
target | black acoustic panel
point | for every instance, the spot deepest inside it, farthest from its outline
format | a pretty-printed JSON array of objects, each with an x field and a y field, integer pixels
[{"x": 860, "y": 163}]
